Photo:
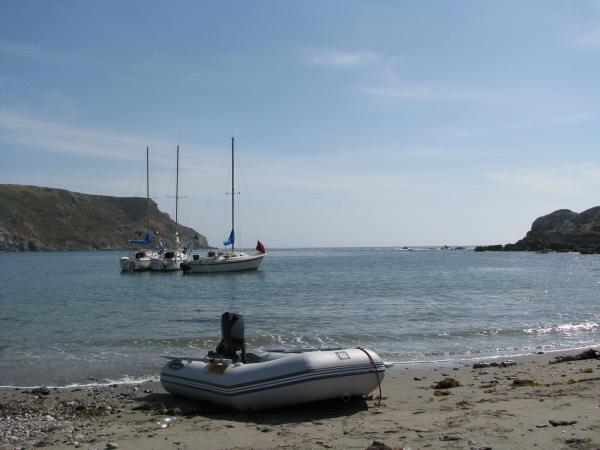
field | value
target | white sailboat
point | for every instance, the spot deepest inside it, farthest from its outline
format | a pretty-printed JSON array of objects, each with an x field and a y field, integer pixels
[
  {"x": 139, "y": 259},
  {"x": 228, "y": 260},
  {"x": 170, "y": 260}
]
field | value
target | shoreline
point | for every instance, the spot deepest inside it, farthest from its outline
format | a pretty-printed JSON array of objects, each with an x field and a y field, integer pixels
[
  {"x": 423, "y": 364},
  {"x": 493, "y": 407}
]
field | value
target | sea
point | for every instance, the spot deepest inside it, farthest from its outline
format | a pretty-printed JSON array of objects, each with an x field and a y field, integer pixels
[{"x": 73, "y": 318}]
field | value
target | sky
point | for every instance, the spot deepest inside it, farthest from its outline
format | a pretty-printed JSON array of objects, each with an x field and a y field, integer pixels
[{"x": 357, "y": 123}]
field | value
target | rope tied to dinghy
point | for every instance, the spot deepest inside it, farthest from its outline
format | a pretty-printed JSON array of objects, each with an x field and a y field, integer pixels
[{"x": 376, "y": 372}]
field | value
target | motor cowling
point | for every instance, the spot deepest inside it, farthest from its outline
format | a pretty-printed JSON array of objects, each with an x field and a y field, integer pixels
[{"x": 232, "y": 340}]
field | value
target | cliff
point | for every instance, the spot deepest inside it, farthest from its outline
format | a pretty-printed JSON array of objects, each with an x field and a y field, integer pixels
[
  {"x": 561, "y": 231},
  {"x": 38, "y": 218}
]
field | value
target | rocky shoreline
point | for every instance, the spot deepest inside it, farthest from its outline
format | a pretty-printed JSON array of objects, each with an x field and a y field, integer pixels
[
  {"x": 561, "y": 231},
  {"x": 43, "y": 417},
  {"x": 540, "y": 247},
  {"x": 540, "y": 400}
]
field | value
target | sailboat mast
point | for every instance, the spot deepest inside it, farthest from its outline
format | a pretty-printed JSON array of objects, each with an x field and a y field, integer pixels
[
  {"x": 147, "y": 191},
  {"x": 232, "y": 193},
  {"x": 177, "y": 191}
]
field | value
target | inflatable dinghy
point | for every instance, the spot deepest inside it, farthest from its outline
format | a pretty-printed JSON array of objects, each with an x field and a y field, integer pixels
[{"x": 253, "y": 381}]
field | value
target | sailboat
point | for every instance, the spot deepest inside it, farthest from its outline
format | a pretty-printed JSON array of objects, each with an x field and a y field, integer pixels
[
  {"x": 140, "y": 259},
  {"x": 171, "y": 259},
  {"x": 228, "y": 260}
]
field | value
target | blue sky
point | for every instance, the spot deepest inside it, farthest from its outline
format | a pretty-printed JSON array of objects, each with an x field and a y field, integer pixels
[{"x": 356, "y": 123}]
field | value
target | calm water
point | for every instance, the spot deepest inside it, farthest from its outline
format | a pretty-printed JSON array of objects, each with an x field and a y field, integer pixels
[{"x": 74, "y": 318}]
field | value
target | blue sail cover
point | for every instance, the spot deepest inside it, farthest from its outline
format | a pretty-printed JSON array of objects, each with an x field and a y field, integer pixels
[
  {"x": 231, "y": 239},
  {"x": 144, "y": 241}
]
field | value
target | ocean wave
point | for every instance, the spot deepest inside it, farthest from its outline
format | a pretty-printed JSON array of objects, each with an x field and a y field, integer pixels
[
  {"x": 124, "y": 380},
  {"x": 564, "y": 328},
  {"x": 263, "y": 340},
  {"x": 436, "y": 358}
]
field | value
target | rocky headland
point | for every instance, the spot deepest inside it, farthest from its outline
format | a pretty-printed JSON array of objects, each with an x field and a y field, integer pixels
[
  {"x": 560, "y": 231},
  {"x": 38, "y": 218}
]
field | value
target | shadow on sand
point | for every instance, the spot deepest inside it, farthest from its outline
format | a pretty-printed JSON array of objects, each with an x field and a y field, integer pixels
[{"x": 167, "y": 404}]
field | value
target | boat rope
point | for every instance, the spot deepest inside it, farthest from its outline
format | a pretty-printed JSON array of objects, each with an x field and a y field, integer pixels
[{"x": 376, "y": 373}]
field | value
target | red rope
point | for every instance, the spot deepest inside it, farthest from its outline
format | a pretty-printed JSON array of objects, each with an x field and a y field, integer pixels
[{"x": 376, "y": 372}]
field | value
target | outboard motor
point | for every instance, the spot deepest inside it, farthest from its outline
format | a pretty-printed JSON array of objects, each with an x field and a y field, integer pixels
[{"x": 232, "y": 331}]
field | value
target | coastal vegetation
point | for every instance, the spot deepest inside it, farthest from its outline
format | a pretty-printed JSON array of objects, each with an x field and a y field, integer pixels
[{"x": 40, "y": 218}]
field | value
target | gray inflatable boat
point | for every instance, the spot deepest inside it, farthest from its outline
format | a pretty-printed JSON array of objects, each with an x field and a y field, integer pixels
[{"x": 253, "y": 381}]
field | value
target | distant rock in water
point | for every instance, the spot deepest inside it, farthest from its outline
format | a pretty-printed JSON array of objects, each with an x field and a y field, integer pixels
[
  {"x": 38, "y": 218},
  {"x": 490, "y": 248},
  {"x": 560, "y": 231}
]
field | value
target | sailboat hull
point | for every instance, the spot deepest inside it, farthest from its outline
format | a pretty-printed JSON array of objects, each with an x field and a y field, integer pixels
[
  {"x": 223, "y": 264},
  {"x": 166, "y": 265},
  {"x": 130, "y": 264}
]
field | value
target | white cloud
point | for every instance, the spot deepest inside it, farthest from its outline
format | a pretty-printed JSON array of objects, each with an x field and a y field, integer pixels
[
  {"x": 349, "y": 172},
  {"x": 551, "y": 121},
  {"x": 23, "y": 130},
  {"x": 424, "y": 92},
  {"x": 336, "y": 58},
  {"x": 386, "y": 82},
  {"x": 27, "y": 51},
  {"x": 428, "y": 152},
  {"x": 41, "y": 55},
  {"x": 579, "y": 179},
  {"x": 530, "y": 124},
  {"x": 587, "y": 40},
  {"x": 5, "y": 80}
]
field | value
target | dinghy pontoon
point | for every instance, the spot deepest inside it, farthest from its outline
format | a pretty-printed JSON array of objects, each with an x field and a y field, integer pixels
[{"x": 253, "y": 381}]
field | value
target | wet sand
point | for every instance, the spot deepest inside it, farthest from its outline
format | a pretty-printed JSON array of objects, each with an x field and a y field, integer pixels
[{"x": 532, "y": 404}]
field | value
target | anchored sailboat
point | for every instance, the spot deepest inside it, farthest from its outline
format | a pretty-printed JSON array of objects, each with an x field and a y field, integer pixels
[
  {"x": 139, "y": 259},
  {"x": 228, "y": 260},
  {"x": 171, "y": 260}
]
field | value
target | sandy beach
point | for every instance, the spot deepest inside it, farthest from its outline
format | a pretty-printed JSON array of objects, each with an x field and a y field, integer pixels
[{"x": 531, "y": 403}]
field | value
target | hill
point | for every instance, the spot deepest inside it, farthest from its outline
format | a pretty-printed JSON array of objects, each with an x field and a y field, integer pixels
[
  {"x": 561, "y": 231},
  {"x": 38, "y": 218}
]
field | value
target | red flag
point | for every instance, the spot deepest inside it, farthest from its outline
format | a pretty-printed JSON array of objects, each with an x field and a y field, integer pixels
[{"x": 260, "y": 247}]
